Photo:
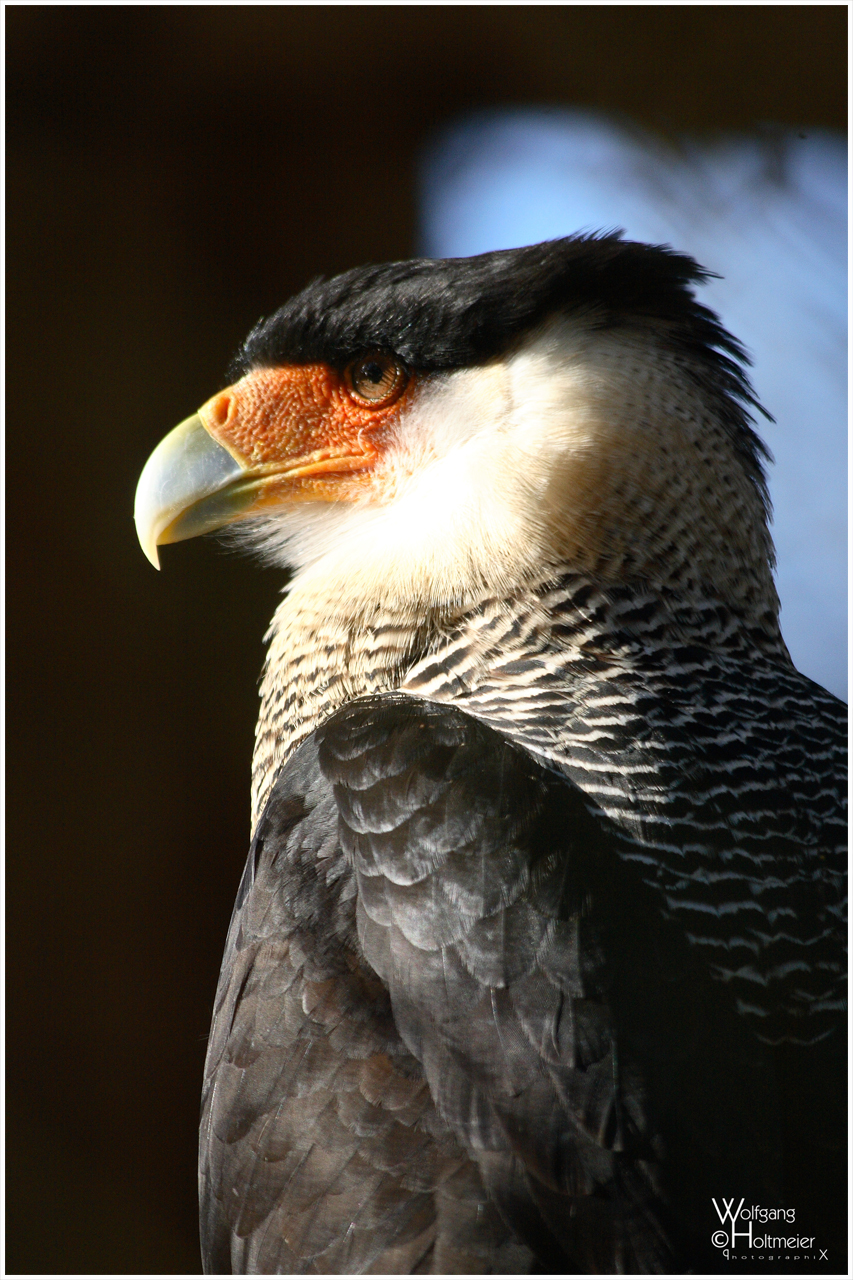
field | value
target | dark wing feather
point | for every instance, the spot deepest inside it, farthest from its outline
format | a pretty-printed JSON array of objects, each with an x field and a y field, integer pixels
[
  {"x": 456, "y": 1032},
  {"x": 321, "y": 1150}
]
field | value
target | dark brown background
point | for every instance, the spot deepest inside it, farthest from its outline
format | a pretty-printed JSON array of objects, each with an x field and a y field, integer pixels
[{"x": 174, "y": 173}]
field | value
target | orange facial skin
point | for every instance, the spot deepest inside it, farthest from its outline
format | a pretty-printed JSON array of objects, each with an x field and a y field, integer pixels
[{"x": 302, "y": 431}]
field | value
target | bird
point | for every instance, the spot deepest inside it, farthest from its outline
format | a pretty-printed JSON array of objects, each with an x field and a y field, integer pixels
[{"x": 537, "y": 963}]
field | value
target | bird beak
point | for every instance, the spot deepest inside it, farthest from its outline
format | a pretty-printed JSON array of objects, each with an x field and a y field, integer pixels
[
  {"x": 190, "y": 485},
  {"x": 287, "y": 434}
]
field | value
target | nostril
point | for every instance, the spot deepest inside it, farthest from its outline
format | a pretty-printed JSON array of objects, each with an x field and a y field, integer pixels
[{"x": 219, "y": 408}]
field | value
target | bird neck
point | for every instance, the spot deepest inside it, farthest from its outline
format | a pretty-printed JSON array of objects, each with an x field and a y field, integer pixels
[{"x": 322, "y": 653}]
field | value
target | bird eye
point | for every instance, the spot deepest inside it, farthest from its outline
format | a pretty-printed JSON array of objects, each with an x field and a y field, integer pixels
[{"x": 377, "y": 377}]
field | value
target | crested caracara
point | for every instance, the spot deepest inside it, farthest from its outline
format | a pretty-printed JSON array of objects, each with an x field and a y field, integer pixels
[{"x": 537, "y": 962}]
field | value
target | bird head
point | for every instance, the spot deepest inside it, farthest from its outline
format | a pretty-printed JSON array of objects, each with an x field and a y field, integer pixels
[{"x": 437, "y": 427}]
